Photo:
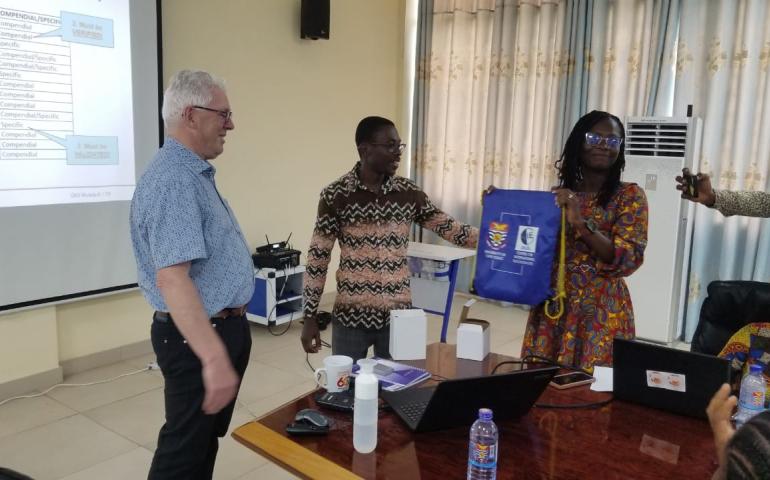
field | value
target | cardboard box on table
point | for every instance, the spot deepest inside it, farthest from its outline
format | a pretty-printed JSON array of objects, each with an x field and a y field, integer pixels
[{"x": 472, "y": 336}]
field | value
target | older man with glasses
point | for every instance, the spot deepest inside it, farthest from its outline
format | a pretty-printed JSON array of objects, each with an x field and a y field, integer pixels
[
  {"x": 370, "y": 211},
  {"x": 196, "y": 271}
]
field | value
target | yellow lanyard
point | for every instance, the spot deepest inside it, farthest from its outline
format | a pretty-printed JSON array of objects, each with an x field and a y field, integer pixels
[{"x": 561, "y": 292}]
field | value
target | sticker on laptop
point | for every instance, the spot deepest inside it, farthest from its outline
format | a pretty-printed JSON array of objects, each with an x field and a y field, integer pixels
[{"x": 666, "y": 380}]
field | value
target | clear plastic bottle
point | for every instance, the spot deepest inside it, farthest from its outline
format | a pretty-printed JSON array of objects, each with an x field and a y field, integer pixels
[
  {"x": 365, "y": 408},
  {"x": 482, "y": 451},
  {"x": 752, "y": 395}
]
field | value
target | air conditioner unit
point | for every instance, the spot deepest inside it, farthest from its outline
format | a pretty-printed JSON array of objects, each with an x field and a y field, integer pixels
[{"x": 656, "y": 150}]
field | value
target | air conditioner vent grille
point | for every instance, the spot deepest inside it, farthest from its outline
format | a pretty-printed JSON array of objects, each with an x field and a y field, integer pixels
[{"x": 656, "y": 139}]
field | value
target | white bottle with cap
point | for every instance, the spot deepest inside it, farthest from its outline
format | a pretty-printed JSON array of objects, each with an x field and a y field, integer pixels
[{"x": 365, "y": 407}]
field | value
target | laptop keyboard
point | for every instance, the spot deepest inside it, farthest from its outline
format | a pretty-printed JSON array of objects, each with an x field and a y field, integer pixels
[{"x": 414, "y": 410}]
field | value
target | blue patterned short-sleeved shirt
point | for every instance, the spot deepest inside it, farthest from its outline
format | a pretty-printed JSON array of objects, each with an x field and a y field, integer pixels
[{"x": 178, "y": 216}]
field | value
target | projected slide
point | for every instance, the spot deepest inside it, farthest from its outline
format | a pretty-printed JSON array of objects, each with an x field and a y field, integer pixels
[{"x": 66, "y": 122}]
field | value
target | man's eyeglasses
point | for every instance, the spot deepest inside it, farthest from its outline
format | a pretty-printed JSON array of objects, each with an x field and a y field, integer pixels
[
  {"x": 594, "y": 140},
  {"x": 391, "y": 147},
  {"x": 225, "y": 114}
]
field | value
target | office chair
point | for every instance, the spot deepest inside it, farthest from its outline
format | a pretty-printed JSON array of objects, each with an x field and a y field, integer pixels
[
  {"x": 729, "y": 306},
  {"x": 8, "y": 474}
]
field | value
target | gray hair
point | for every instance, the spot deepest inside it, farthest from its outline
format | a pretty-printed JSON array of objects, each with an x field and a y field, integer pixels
[{"x": 187, "y": 88}]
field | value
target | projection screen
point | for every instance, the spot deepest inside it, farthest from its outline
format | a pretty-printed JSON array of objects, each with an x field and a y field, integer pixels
[{"x": 79, "y": 121}]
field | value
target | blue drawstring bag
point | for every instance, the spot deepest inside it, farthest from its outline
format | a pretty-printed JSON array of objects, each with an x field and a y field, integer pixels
[{"x": 517, "y": 242}]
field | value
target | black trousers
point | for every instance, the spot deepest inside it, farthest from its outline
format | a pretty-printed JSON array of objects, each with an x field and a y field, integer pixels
[
  {"x": 355, "y": 342},
  {"x": 189, "y": 440}
]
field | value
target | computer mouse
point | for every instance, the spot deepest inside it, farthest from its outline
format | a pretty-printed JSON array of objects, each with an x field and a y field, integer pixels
[{"x": 313, "y": 417}]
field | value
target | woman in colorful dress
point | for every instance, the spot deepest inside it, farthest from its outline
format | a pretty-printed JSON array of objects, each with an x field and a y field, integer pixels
[{"x": 606, "y": 237}]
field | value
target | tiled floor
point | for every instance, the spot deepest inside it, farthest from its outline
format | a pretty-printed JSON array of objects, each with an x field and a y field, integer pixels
[{"x": 109, "y": 430}]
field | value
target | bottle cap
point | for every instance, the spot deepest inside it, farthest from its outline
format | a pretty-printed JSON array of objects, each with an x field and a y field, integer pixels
[
  {"x": 485, "y": 414},
  {"x": 756, "y": 368},
  {"x": 367, "y": 365}
]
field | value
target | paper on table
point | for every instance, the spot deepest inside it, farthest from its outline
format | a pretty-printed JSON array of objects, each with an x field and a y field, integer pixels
[
  {"x": 395, "y": 376},
  {"x": 603, "y": 376}
]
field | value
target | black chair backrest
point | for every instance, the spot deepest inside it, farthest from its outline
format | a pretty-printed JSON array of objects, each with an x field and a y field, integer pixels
[
  {"x": 8, "y": 474},
  {"x": 729, "y": 306}
]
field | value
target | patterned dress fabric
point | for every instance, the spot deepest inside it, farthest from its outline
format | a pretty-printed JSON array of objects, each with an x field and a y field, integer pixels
[
  {"x": 598, "y": 305},
  {"x": 748, "y": 346},
  {"x": 373, "y": 232},
  {"x": 749, "y": 204}
]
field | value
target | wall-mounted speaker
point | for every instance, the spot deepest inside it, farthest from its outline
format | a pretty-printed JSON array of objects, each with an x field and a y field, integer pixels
[{"x": 314, "y": 19}]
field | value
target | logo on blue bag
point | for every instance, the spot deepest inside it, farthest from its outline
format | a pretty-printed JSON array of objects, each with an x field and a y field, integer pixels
[
  {"x": 498, "y": 233},
  {"x": 526, "y": 239}
]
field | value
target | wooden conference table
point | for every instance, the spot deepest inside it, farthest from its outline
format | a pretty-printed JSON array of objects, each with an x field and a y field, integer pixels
[{"x": 618, "y": 441}]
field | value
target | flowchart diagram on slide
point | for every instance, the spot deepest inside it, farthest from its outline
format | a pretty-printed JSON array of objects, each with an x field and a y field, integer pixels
[{"x": 65, "y": 108}]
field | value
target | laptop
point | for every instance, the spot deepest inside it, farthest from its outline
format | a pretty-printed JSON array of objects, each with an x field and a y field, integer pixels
[
  {"x": 667, "y": 378},
  {"x": 453, "y": 403}
]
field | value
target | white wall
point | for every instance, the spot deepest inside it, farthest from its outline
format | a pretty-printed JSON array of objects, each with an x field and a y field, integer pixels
[{"x": 296, "y": 104}]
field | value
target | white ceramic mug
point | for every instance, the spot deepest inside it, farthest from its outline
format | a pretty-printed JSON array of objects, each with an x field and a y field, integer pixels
[{"x": 334, "y": 376}]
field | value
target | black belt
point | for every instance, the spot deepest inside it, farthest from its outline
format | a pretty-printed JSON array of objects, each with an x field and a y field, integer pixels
[{"x": 165, "y": 317}]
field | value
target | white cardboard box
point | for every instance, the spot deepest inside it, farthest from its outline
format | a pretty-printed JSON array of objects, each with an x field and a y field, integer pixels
[
  {"x": 408, "y": 334},
  {"x": 472, "y": 336}
]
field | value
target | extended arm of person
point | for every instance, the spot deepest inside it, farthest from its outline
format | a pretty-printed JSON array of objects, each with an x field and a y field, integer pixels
[
  {"x": 629, "y": 233},
  {"x": 748, "y": 204},
  {"x": 318, "y": 256},
  {"x": 719, "y": 411},
  {"x": 744, "y": 203},
  {"x": 443, "y": 225},
  {"x": 183, "y": 300},
  {"x": 599, "y": 244}
]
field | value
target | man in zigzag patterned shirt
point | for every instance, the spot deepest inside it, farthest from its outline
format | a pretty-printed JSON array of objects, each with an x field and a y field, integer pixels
[{"x": 369, "y": 211}]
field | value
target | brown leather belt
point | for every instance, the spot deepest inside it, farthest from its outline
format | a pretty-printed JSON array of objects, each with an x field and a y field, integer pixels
[
  {"x": 165, "y": 317},
  {"x": 231, "y": 312}
]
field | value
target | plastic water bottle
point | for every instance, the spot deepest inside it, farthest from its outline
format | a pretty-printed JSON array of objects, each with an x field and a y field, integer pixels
[
  {"x": 365, "y": 408},
  {"x": 482, "y": 451},
  {"x": 752, "y": 395}
]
